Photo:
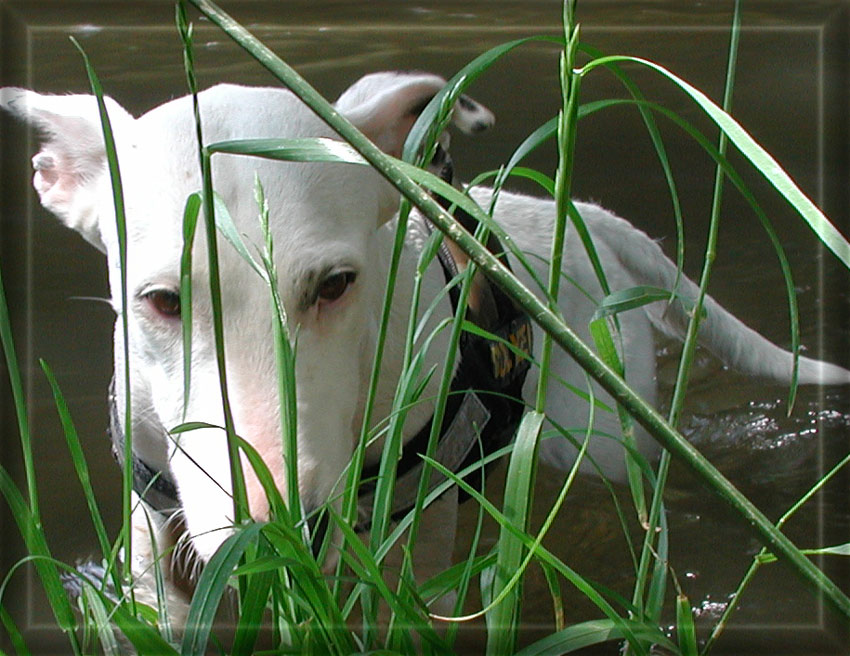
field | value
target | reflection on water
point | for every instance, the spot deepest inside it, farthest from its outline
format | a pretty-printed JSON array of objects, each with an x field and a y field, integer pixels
[{"x": 791, "y": 80}]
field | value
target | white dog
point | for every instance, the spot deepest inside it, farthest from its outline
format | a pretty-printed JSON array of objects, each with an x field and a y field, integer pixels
[{"x": 332, "y": 226}]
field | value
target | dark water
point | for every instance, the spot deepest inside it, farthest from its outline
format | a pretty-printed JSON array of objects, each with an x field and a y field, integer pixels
[{"x": 791, "y": 94}]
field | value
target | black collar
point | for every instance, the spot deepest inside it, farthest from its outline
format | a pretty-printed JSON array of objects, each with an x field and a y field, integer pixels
[{"x": 154, "y": 486}]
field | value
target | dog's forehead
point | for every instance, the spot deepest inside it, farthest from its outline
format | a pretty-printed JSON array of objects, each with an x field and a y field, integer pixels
[
  {"x": 163, "y": 149},
  {"x": 313, "y": 207},
  {"x": 232, "y": 111},
  {"x": 163, "y": 145}
]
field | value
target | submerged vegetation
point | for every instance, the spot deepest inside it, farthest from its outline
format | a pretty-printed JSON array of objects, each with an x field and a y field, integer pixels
[{"x": 274, "y": 569}]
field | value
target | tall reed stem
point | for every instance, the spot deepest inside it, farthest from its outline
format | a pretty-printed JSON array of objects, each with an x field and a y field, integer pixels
[{"x": 690, "y": 345}]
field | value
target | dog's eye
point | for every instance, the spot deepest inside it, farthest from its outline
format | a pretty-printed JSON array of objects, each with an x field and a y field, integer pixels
[
  {"x": 164, "y": 301},
  {"x": 334, "y": 286}
]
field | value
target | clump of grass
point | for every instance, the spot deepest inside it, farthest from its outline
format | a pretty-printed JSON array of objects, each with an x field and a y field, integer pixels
[{"x": 275, "y": 568}]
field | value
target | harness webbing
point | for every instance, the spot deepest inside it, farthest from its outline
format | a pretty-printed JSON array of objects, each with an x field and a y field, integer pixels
[{"x": 484, "y": 406}]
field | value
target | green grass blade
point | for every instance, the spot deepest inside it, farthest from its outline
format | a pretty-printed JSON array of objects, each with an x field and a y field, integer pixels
[
  {"x": 121, "y": 227},
  {"x": 549, "y": 129},
  {"x": 657, "y": 587},
  {"x": 15, "y": 635},
  {"x": 570, "y": 84},
  {"x": 585, "y": 587},
  {"x": 601, "y": 334},
  {"x": 308, "y": 149},
  {"x": 143, "y": 636},
  {"x": 595, "y": 632},
  {"x": 837, "y": 550},
  {"x": 105, "y": 634},
  {"x": 685, "y": 629},
  {"x": 554, "y": 586},
  {"x": 449, "y": 361},
  {"x": 18, "y": 396},
  {"x": 737, "y": 181},
  {"x": 580, "y": 393},
  {"x": 656, "y": 519},
  {"x": 284, "y": 354},
  {"x": 262, "y": 564},
  {"x": 760, "y": 158},
  {"x": 503, "y": 620},
  {"x": 590, "y": 249},
  {"x": 277, "y": 505},
  {"x": 690, "y": 345},
  {"x": 323, "y": 617},
  {"x": 163, "y": 618},
  {"x": 533, "y": 141},
  {"x": 634, "y": 297},
  {"x": 544, "y": 181},
  {"x": 36, "y": 544},
  {"x": 264, "y": 476},
  {"x": 428, "y": 120},
  {"x": 451, "y": 578},
  {"x": 405, "y": 521},
  {"x": 211, "y": 585},
  {"x": 253, "y": 606},
  {"x": 543, "y": 133},
  {"x": 372, "y": 573},
  {"x": 79, "y": 460},
  {"x": 406, "y": 395},
  {"x": 661, "y": 152},
  {"x": 722, "y": 623},
  {"x": 213, "y": 215},
  {"x": 190, "y": 222},
  {"x": 350, "y": 496},
  {"x": 227, "y": 227},
  {"x": 409, "y": 392},
  {"x": 512, "y": 587}
]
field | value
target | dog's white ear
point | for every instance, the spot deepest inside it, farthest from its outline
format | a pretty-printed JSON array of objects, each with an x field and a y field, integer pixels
[
  {"x": 385, "y": 105},
  {"x": 72, "y": 162}
]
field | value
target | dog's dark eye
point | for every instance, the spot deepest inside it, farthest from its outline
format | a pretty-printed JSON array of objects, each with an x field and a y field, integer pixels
[
  {"x": 165, "y": 302},
  {"x": 334, "y": 286}
]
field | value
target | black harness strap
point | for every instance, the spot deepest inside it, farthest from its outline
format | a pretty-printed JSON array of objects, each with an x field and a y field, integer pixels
[{"x": 485, "y": 404}]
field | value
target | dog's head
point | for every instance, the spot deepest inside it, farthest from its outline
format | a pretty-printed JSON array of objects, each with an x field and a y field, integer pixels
[{"x": 329, "y": 250}]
